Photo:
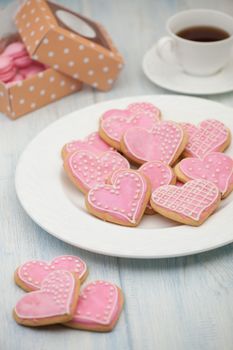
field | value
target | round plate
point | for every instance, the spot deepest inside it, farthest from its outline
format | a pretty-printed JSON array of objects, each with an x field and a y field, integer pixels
[
  {"x": 171, "y": 77},
  {"x": 58, "y": 207}
]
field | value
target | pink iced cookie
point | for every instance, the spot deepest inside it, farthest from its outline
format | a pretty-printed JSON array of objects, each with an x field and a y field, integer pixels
[
  {"x": 92, "y": 143},
  {"x": 216, "y": 167},
  {"x": 159, "y": 174},
  {"x": 189, "y": 128},
  {"x": 115, "y": 122},
  {"x": 31, "y": 274},
  {"x": 123, "y": 202},
  {"x": 54, "y": 303},
  {"x": 165, "y": 142},
  {"x": 99, "y": 307},
  {"x": 190, "y": 204},
  {"x": 211, "y": 136},
  {"x": 86, "y": 170}
]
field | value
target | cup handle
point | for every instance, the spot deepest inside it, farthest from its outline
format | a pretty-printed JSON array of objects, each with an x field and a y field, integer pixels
[{"x": 166, "y": 49}]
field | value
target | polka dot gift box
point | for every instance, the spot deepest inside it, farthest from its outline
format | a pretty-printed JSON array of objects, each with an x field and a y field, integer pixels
[
  {"x": 69, "y": 43},
  {"x": 26, "y": 85}
]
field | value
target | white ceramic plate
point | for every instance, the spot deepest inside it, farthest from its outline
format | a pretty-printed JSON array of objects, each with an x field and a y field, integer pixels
[
  {"x": 171, "y": 77},
  {"x": 58, "y": 207}
]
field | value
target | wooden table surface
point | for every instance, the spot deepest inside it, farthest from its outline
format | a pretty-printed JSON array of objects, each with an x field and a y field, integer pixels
[{"x": 180, "y": 303}]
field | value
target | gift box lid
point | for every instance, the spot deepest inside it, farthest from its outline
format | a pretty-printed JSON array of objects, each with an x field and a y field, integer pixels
[{"x": 69, "y": 42}]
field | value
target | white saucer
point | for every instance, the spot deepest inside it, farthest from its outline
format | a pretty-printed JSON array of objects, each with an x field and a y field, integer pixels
[
  {"x": 57, "y": 206},
  {"x": 171, "y": 77}
]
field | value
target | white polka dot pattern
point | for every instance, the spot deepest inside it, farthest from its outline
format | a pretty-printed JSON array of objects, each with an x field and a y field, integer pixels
[
  {"x": 35, "y": 92},
  {"x": 67, "y": 52}
]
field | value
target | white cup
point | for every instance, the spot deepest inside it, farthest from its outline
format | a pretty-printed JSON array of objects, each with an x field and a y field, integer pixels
[{"x": 197, "y": 58}]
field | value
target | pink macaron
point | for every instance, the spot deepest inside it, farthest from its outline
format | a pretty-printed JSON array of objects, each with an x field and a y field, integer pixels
[
  {"x": 15, "y": 50},
  {"x": 22, "y": 62},
  {"x": 18, "y": 77},
  {"x": 32, "y": 70},
  {"x": 7, "y": 69}
]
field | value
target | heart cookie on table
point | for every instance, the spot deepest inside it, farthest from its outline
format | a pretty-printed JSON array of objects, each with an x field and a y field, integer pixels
[
  {"x": 122, "y": 202},
  {"x": 99, "y": 307},
  {"x": 115, "y": 122},
  {"x": 159, "y": 174},
  {"x": 30, "y": 275},
  {"x": 54, "y": 303},
  {"x": 215, "y": 167},
  {"x": 165, "y": 142},
  {"x": 190, "y": 204},
  {"x": 92, "y": 143},
  {"x": 85, "y": 169},
  {"x": 210, "y": 136}
]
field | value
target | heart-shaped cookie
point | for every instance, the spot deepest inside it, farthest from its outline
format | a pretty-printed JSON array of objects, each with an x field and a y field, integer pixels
[
  {"x": 190, "y": 204},
  {"x": 30, "y": 275},
  {"x": 159, "y": 174},
  {"x": 211, "y": 136},
  {"x": 55, "y": 302},
  {"x": 124, "y": 202},
  {"x": 115, "y": 122},
  {"x": 86, "y": 170},
  {"x": 99, "y": 307},
  {"x": 216, "y": 167},
  {"x": 189, "y": 128},
  {"x": 92, "y": 143},
  {"x": 165, "y": 142}
]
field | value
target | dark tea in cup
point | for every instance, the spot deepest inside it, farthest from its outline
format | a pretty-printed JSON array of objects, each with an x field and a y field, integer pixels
[{"x": 203, "y": 34}]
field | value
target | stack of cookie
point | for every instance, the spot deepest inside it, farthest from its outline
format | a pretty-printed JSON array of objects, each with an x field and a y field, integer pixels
[
  {"x": 54, "y": 296},
  {"x": 16, "y": 64},
  {"x": 177, "y": 169}
]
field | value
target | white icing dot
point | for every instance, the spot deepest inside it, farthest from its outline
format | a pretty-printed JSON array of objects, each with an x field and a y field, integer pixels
[
  {"x": 66, "y": 50},
  {"x": 81, "y": 47},
  {"x": 101, "y": 56},
  {"x": 86, "y": 60},
  {"x": 50, "y": 53}
]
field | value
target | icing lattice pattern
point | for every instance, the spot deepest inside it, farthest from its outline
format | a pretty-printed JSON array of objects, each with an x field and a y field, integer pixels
[
  {"x": 210, "y": 135},
  {"x": 189, "y": 200}
]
